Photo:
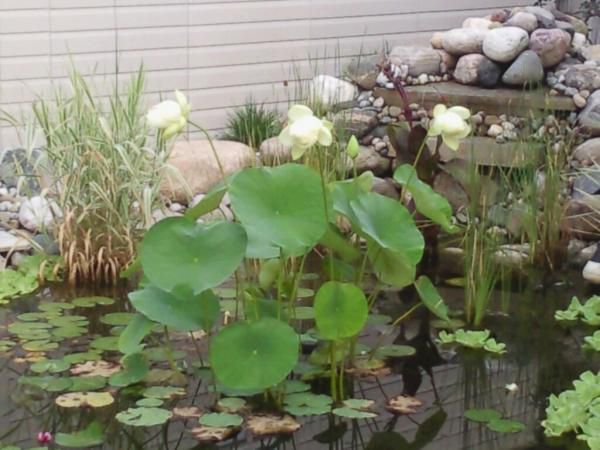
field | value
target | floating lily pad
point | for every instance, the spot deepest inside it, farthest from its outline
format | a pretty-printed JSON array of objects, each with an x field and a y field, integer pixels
[
  {"x": 32, "y": 316},
  {"x": 213, "y": 434},
  {"x": 68, "y": 321},
  {"x": 307, "y": 404},
  {"x": 118, "y": 318},
  {"x": 69, "y": 332},
  {"x": 255, "y": 355},
  {"x": 149, "y": 402},
  {"x": 161, "y": 354},
  {"x": 269, "y": 425},
  {"x": 187, "y": 412},
  {"x": 305, "y": 293},
  {"x": 51, "y": 365},
  {"x": 59, "y": 385},
  {"x": 350, "y": 413},
  {"x": 231, "y": 405},
  {"x": 76, "y": 358},
  {"x": 91, "y": 436},
  {"x": 85, "y": 399},
  {"x": 96, "y": 368},
  {"x": 302, "y": 313},
  {"x": 106, "y": 343},
  {"x": 55, "y": 306},
  {"x": 452, "y": 324},
  {"x": 506, "y": 426},
  {"x": 359, "y": 403},
  {"x": 39, "y": 346},
  {"x": 341, "y": 310},
  {"x": 91, "y": 302},
  {"x": 144, "y": 417},
  {"x": 221, "y": 420},
  {"x": 403, "y": 404},
  {"x": 87, "y": 383},
  {"x": 482, "y": 415},
  {"x": 395, "y": 351},
  {"x": 295, "y": 386},
  {"x": 164, "y": 392}
]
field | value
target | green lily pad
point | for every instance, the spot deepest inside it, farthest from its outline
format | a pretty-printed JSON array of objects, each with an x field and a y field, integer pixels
[
  {"x": 59, "y": 385},
  {"x": 341, "y": 310},
  {"x": 135, "y": 368},
  {"x": 189, "y": 314},
  {"x": 295, "y": 386},
  {"x": 76, "y": 358},
  {"x": 69, "y": 332},
  {"x": 144, "y": 417},
  {"x": 87, "y": 383},
  {"x": 231, "y": 405},
  {"x": 307, "y": 404},
  {"x": 39, "y": 346},
  {"x": 164, "y": 392},
  {"x": 117, "y": 319},
  {"x": 281, "y": 207},
  {"x": 55, "y": 306},
  {"x": 179, "y": 254},
  {"x": 506, "y": 426},
  {"x": 302, "y": 313},
  {"x": 350, "y": 413},
  {"x": 85, "y": 399},
  {"x": 51, "y": 365},
  {"x": 92, "y": 302},
  {"x": 67, "y": 321},
  {"x": 149, "y": 402},
  {"x": 162, "y": 354},
  {"x": 91, "y": 436},
  {"x": 106, "y": 343},
  {"x": 482, "y": 415},
  {"x": 32, "y": 316},
  {"x": 358, "y": 403},
  {"x": 395, "y": 351},
  {"x": 221, "y": 420},
  {"x": 255, "y": 355}
]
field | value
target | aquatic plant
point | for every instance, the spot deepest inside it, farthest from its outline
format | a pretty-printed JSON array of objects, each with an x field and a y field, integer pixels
[
  {"x": 106, "y": 175},
  {"x": 252, "y": 124},
  {"x": 476, "y": 340},
  {"x": 26, "y": 278},
  {"x": 588, "y": 313}
]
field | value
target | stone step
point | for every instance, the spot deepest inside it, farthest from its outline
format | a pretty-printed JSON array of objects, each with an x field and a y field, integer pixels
[
  {"x": 486, "y": 151},
  {"x": 492, "y": 101}
]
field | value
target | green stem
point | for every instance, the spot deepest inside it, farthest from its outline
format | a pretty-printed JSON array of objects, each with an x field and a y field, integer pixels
[
  {"x": 333, "y": 371},
  {"x": 418, "y": 157},
  {"x": 212, "y": 147}
]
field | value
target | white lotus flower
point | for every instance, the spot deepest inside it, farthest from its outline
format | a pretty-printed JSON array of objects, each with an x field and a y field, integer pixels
[
  {"x": 170, "y": 116},
  {"x": 305, "y": 130},
  {"x": 511, "y": 388},
  {"x": 451, "y": 124}
]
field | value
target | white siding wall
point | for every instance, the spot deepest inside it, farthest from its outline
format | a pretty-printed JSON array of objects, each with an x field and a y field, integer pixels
[{"x": 218, "y": 51}]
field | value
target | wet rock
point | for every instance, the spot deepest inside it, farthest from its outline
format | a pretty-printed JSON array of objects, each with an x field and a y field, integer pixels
[
  {"x": 505, "y": 44},
  {"x": 550, "y": 45},
  {"x": 419, "y": 60},
  {"x": 10, "y": 242},
  {"x": 198, "y": 168},
  {"x": 463, "y": 41},
  {"x": 588, "y": 151},
  {"x": 369, "y": 159},
  {"x": 526, "y": 70},
  {"x": 357, "y": 122},
  {"x": 331, "y": 91},
  {"x": 590, "y": 116},
  {"x": 545, "y": 18},
  {"x": 524, "y": 20}
]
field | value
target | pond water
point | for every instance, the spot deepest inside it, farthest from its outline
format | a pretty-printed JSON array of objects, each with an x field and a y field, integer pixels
[{"x": 543, "y": 358}]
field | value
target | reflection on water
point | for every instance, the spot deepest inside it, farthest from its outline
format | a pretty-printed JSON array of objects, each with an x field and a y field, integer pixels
[{"x": 542, "y": 359}]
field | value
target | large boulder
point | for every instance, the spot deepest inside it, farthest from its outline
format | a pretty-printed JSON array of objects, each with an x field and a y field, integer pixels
[
  {"x": 582, "y": 219},
  {"x": 197, "y": 170},
  {"x": 331, "y": 91},
  {"x": 545, "y": 18},
  {"x": 476, "y": 69},
  {"x": 37, "y": 214},
  {"x": 273, "y": 153},
  {"x": 524, "y": 20},
  {"x": 357, "y": 122},
  {"x": 578, "y": 24},
  {"x": 589, "y": 151},
  {"x": 463, "y": 41},
  {"x": 363, "y": 71},
  {"x": 369, "y": 159},
  {"x": 590, "y": 116},
  {"x": 481, "y": 23},
  {"x": 504, "y": 44},
  {"x": 418, "y": 60},
  {"x": 550, "y": 45},
  {"x": 591, "y": 52},
  {"x": 526, "y": 70},
  {"x": 582, "y": 77}
]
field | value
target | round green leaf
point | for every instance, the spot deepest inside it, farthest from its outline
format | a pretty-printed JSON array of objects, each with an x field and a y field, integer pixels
[
  {"x": 254, "y": 355},
  {"x": 506, "y": 426},
  {"x": 106, "y": 343},
  {"x": 135, "y": 368},
  {"x": 51, "y": 365},
  {"x": 87, "y": 383},
  {"x": 164, "y": 392},
  {"x": 189, "y": 314},
  {"x": 117, "y": 319},
  {"x": 178, "y": 253},
  {"x": 149, "y": 402},
  {"x": 350, "y": 413},
  {"x": 341, "y": 310},
  {"x": 279, "y": 207},
  {"x": 91, "y": 436},
  {"x": 221, "y": 420},
  {"x": 395, "y": 351},
  {"x": 231, "y": 404},
  {"x": 144, "y": 417},
  {"x": 482, "y": 415}
]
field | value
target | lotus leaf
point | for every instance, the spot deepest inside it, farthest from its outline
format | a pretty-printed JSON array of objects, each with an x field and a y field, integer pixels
[
  {"x": 178, "y": 254},
  {"x": 149, "y": 402},
  {"x": 92, "y": 302},
  {"x": 106, "y": 343},
  {"x": 295, "y": 386},
  {"x": 135, "y": 332},
  {"x": 394, "y": 351},
  {"x": 91, "y": 436},
  {"x": 231, "y": 405},
  {"x": 255, "y": 355},
  {"x": 341, "y": 310},
  {"x": 87, "y": 383},
  {"x": 51, "y": 365},
  {"x": 431, "y": 298},
  {"x": 135, "y": 368},
  {"x": 144, "y": 417},
  {"x": 281, "y": 207}
]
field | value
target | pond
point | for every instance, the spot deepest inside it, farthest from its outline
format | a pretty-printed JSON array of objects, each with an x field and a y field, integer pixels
[{"x": 543, "y": 358}]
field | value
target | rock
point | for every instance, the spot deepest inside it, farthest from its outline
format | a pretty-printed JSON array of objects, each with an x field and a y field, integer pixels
[
  {"x": 369, "y": 159},
  {"x": 448, "y": 61},
  {"x": 395, "y": 111},
  {"x": 579, "y": 101},
  {"x": 527, "y": 69},
  {"x": 550, "y": 45},
  {"x": 9, "y": 242},
  {"x": 545, "y": 18},
  {"x": 566, "y": 27},
  {"x": 418, "y": 60},
  {"x": 47, "y": 244},
  {"x": 357, "y": 122},
  {"x": 505, "y": 44},
  {"x": 477, "y": 22},
  {"x": 385, "y": 186},
  {"x": 581, "y": 219},
  {"x": 364, "y": 71},
  {"x": 582, "y": 77},
  {"x": 437, "y": 40},
  {"x": 495, "y": 131},
  {"x": 588, "y": 151},
  {"x": 500, "y": 16},
  {"x": 578, "y": 24},
  {"x": 273, "y": 153},
  {"x": 524, "y": 20},
  {"x": 331, "y": 91},
  {"x": 19, "y": 167},
  {"x": 17, "y": 258},
  {"x": 578, "y": 42},
  {"x": 448, "y": 186},
  {"x": 579, "y": 258},
  {"x": 36, "y": 214},
  {"x": 477, "y": 69},
  {"x": 591, "y": 52},
  {"x": 463, "y": 41},
  {"x": 198, "y": 168},
  {"x": 590, "y": 116},
  {"x": 586, "y": 184}
]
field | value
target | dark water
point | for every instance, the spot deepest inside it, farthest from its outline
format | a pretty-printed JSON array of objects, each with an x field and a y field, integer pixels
[{"x": 543, "y": 358}]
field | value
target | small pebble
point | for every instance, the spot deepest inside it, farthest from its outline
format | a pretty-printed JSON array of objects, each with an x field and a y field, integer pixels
[
  {"x": 379, "y": 103},
  {"x": 579, "y": 101},
  {"x": 495, "y": 130}
]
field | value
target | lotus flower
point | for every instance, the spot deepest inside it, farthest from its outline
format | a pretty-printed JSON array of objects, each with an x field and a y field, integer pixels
[
  {"x": 305, "y": 130},
  {"x": 511, "y": 388},
  {"x": 170, "y": 116},
  {"x": 451, "y": 124},
  {"x": 44, "y": 437}
]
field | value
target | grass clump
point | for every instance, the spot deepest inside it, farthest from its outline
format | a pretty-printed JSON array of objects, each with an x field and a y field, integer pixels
[
  {"x": 252, "y": 124},
  {"x": 106, "y": 176}
]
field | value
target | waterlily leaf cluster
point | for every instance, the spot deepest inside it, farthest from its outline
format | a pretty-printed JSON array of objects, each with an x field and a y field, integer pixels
[
  {"x": 476, "y": 340},
  {"x": 588, "y": 312},
  {"x": 494, "y": 421},
  {"x": 26, "y": 278}
]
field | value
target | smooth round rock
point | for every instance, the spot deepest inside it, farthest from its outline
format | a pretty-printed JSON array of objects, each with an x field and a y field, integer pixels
[
  {"x": 463, "y": 41},
  {"x": 527, "y": 69},
  {"x": 545, "y": 18},
  {"x": 524, "y": 20},
  {"x": 475, "y": 69},
  {"x": 504, "y": 44},
  {"x": 550, "y": 45},
  {"x": 478, "y": 22},
  {"x": 489, "y": 73}
]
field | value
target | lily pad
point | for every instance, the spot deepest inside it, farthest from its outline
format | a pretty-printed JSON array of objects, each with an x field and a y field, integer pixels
[
  {"x": 92, "y": 302},
  {"x": 144, "y": 417},
  {"x": 221, "y": 420},
  {"x": 51, "y": 366},
  {"x": 87, "y": 383},
  {"x": 77, "y": 358},
  {"x": 85, "y": 399},
  {"x": 403, "y": 404},
  {"x": 482, "y": 415},
  {"x": 96, "y": 368},
  {"x": 179, "y": 254},
  {"x": 359, "y": 403},
  {"x": 295, "y": 386},
  {"x": 506, "y": 426},
  {"x": 231, "y": 405},
  {"x": 255, "y": 355},
  {"x": 341, "y": 310},
  {"x": 307, "y": 404},
  {"x": 269, "y": 425},
  {"x": 106, "y": 343},
  {"x": 164, "y": 392},
  {"x": 91, "y": 436},
  {"x": 117, "y": 319},
  {"x": 149, "y": 402},
  {"x": 39, "y": 346},
  {"x": 135, "y": 368},
  {"x": 350, "y": 413},
  {"x": 395, "y": 351}
]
